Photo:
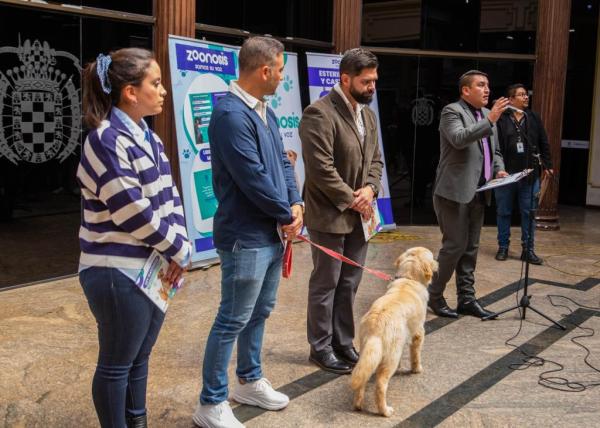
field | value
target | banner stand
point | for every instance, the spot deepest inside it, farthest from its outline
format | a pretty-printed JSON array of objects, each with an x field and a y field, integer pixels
[{"x": 201, "y": 72}]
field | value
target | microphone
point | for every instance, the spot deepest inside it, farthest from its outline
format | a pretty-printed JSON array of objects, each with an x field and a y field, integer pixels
[{"x": 517, "y": 110}]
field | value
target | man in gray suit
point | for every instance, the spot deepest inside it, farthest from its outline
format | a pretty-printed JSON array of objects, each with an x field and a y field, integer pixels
[
  {"x": 469, "y": 157},
  {"x": 343, "y": 171}
]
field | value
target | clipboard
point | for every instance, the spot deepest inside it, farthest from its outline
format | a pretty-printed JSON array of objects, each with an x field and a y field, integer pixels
[{"x": 503, "y": 181}]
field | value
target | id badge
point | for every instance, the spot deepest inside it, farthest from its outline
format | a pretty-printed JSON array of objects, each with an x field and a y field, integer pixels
[{"x": 520, "y": 148}]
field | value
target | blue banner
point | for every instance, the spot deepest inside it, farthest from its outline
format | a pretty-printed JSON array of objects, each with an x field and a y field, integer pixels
[
  {"x": 326, "y": 77},
  {"x": 206, "y": 60},
  {"x": 200, "y": 76}
]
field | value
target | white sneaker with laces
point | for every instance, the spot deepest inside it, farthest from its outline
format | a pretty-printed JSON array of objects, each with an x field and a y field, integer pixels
[
  {"x": 260, "y": 393},
  {"x": 216, "y": 416}
]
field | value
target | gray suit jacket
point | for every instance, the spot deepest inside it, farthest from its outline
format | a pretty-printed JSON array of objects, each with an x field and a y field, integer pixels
[
  {"x": 461, "y": 156},
  {"x": 336, "y": 163}
]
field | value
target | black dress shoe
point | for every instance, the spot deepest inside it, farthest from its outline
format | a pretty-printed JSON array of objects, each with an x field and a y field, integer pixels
[
  {"x": 441, "y": 309},
  {"x": 348, "y": 355},
  {"x": 473, "y": 308},
  {"x": 328, "y": 361},
  {"x": 502, "y": 254},
  {"x": 137, "y": 421},
  {"x": 533, "y": 258}
]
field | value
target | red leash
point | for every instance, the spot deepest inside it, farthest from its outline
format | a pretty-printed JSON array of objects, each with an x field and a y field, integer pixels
[{"x": 338, "y": 256}]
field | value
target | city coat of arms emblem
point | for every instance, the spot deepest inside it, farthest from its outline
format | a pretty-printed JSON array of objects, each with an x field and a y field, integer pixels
[
  {"x": 422, "y": 111},
  {"x": 41, "y": 109}
]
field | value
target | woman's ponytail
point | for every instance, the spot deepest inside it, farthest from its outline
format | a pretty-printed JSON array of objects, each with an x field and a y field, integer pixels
[
  {"x": 96, "y": 102},
  {"x": 104, "y": 79}
]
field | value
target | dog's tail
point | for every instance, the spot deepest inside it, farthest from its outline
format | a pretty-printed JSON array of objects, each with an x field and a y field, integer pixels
[{"x": 370, "y": 357}]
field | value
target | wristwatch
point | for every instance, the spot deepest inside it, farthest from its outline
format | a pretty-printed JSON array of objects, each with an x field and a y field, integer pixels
[{"x": 373, "y": 187}]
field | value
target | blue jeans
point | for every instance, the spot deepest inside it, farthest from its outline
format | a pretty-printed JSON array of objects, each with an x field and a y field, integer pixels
[
  {"x": 249, "y": 281},
  {"x": 128, "y": 325},
  {"x": 505, "y": 196}
]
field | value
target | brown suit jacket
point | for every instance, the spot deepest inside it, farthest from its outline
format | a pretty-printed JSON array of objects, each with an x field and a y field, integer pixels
[{"x": 336, "y": 163}]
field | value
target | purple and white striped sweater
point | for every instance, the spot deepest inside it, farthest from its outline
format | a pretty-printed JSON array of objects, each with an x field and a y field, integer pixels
[{"x": 130, "y": 203}]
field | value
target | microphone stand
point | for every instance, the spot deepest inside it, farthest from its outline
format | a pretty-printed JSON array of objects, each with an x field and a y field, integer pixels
[{"x": 525, "y": 301}]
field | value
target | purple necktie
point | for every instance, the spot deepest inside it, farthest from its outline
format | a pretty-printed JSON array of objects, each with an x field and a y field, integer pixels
[{"x": 487, "y": 172}]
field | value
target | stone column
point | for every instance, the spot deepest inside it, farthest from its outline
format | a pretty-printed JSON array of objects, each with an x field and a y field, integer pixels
[
  {"x": 347, "y": 16},
  {"x": 548, "y": 94},
  {"x": 172, "y": 17}
]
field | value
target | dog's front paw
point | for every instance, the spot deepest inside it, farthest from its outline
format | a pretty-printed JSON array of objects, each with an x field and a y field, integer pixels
[
  {"x": 387, "y": 411},
  {"x": 357, "y": 403},
  {"x": 417, "y": 369}
]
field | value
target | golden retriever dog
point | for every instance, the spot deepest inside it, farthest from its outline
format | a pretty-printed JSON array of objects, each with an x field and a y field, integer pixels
[{"x": 395, "y": 318}]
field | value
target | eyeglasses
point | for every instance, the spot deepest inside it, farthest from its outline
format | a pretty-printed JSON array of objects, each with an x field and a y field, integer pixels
[{"x": 522, "y": 95}]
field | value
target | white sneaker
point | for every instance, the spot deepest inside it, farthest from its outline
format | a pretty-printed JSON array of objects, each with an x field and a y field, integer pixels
[
  {"x": 260, "y": 393},
  {"x": 216, "y": 416}
]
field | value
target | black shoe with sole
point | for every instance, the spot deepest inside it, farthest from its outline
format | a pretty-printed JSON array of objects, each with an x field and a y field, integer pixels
[
  {"x": 474, "y": 309},
  {"x": 502, "y": 254},
  {"x": 533, "y": 258},
  {"x": 328, "y": 361},
  {"x": 136, "y": 421},
  {"x": 348, "y": 355},
  {"x": 441, "y": 308}
]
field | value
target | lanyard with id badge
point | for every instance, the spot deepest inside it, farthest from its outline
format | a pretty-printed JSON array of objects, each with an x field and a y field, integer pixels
[{"x": 520, "y": 145}]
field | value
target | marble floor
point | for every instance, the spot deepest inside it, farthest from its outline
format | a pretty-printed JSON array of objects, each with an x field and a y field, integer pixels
[{"x": 48, "y": 347}]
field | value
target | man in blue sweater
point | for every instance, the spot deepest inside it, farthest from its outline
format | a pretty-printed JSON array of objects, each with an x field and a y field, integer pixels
[{"x": 256, "y": 189}]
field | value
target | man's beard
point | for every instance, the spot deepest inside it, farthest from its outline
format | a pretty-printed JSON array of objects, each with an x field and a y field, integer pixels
[
  {"x": 361, "y": 97},
  {"x": 272, "y": 89}
]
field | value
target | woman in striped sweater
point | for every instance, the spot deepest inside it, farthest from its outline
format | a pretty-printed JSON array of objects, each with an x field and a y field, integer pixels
[{"x": 130, "y": 207}]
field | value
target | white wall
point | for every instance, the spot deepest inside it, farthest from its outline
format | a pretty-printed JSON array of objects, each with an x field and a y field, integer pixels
[{"x": 593, "y": 187}]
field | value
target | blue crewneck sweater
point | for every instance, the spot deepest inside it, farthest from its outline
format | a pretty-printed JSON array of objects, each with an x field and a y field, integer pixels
[{"x": 253, "y": 179}]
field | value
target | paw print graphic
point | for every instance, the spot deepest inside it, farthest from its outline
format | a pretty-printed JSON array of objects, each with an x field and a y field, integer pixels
[
  {"x": 287, "y": 84},
  {"x": 275, "y": 101},
  {"x": 186, "y": 153}
]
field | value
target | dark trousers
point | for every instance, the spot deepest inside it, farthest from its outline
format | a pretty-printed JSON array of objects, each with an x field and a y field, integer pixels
[
  {"x": 461, "y": 228},
  {"x": 331, "y": 289},
  {"x": 128, "y": 325}
]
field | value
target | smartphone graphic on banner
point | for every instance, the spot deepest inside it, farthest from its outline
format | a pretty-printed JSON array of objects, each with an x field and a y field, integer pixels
[{"x": 205, "y": 202}]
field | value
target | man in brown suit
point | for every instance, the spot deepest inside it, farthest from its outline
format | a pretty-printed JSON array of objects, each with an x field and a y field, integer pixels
[{"x": 343, "y": 171}]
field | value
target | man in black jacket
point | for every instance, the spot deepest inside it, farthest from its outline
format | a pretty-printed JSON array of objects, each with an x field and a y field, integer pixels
[{"x": 524, "y": 144}]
